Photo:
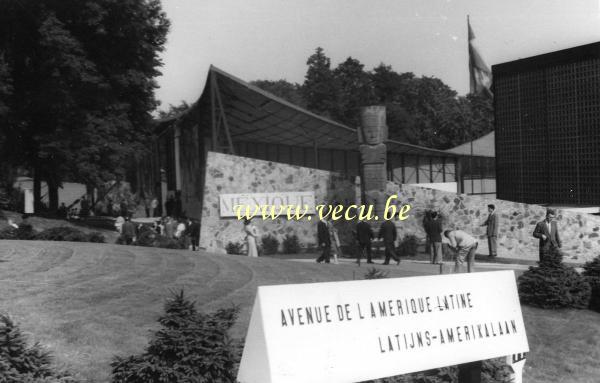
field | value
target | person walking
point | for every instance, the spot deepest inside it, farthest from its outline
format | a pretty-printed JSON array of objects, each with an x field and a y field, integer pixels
[
  {"x": 492, "y": 230},
  {"x": 547, "y": 232},
  {"x": 128, "y": 231},
  {"x": 465, "y": 246},
  {"x": 434, "y": 229},
  {"x": 324, "y": 239},
  {"x": 251, "y": 235},
  {"x": 170, "y": 227},
  {"x": 154, "y": 207},
  {"x": 389, "y": 234},
  {"x": 194, "y": 230},
  {"x": 364, "y": 236},
  {"x": 426, "y": 220},
  {"x": 336, "y": 246}
]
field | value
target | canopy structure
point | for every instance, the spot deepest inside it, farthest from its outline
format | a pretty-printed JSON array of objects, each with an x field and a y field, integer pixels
[
  {"x": 240, "y": 111},
  {"x": 235, "y": 117}
]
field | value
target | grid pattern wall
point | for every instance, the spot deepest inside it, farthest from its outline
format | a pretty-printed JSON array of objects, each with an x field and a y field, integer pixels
[
  {"x": 508, "y": 138},
  {"x": 588, "y": 118},
  {"x": 534, "y": 173},
  {"x": 548, "y": 134}
]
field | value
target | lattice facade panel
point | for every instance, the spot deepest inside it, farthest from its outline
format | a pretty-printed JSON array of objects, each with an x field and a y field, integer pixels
[{"x": 548, "y": 133}]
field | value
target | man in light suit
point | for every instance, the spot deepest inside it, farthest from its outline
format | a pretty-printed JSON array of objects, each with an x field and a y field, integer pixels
[
  {"x": 492, "y": 230},
  {"x": 547, "y": 232}
]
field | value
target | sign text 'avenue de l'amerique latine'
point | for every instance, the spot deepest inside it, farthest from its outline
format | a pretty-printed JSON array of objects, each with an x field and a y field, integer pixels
[
  {"x": 229, "y": 204},
  {"x": 361, "y": 330}
]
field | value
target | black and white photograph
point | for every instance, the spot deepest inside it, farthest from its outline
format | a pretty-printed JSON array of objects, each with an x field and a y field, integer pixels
[{"x": 308, "y": 191}]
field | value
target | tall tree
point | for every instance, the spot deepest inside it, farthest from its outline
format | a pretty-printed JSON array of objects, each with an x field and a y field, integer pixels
[
  {"x": 320, "y": 88},
  {"x": 354, "y": 90},
  {"x": 82, "y": 76}
]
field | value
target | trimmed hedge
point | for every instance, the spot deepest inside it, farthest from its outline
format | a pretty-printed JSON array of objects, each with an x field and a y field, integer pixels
[
  {"x": 553, "y": 285},
  {"x": 408, "y": 246},
  {"x": 235, "y": 248},
  {"x": 291, "y": 244},
  {"x": 61, "y": 233},
  {"x": 270, "y": 244},
  {"x": 65, "y": 233}
]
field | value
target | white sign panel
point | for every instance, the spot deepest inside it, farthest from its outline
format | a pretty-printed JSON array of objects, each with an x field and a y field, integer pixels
[
  {"x": 256, "y": 203},
  {"x": 28, "y": 208},
  {"x": 362, "y": 330}
]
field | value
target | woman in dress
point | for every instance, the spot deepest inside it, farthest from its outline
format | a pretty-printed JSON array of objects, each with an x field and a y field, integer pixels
[
  {"x": 251, "y": 234},
  {"x": 336, "y": 248}
]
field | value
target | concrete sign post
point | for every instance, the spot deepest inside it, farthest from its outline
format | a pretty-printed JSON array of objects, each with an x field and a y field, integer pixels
[{"x": 362, "y": 330}]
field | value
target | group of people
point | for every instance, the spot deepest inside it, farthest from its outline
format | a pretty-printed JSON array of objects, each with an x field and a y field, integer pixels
[
  {"x": 460, "y": 242},
  {"x": 463, "y": 244},
  {"x": 329, "y": 241},
  {"x": 183, "y": 229}
]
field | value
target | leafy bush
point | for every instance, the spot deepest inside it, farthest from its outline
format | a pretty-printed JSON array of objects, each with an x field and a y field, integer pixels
[
  {"x": 146, "y": 237},
  {"x": 554, "y": 285},
  {"x": 592, "y": 274},
  {"x": 21, "y": 363},
  {"x": 373, "y": 273},
  {"x": 492, "y": 371},
  {"x": 291, "y": 244},
  {"x": 592, "y": 268},
  {"x": 408, "y": 246},
  {"x": 25, "y": 232},
  {"x": 236, "y": 248},
  {"x": 168, "y": 243},
  {"x": 189, "y": 347},
  {"x": 65, "y": 233},
  {"x": 270, "y": 244}
]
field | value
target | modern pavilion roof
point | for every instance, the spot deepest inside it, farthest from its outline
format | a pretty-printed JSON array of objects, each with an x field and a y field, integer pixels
[{"x": 255, "y": 115}]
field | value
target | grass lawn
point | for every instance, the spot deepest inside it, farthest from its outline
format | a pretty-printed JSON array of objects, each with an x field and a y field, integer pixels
[{"x": 89, "y": 302}]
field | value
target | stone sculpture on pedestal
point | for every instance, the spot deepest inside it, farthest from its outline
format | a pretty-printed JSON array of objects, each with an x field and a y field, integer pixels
[{"x": 372, "y": 135}]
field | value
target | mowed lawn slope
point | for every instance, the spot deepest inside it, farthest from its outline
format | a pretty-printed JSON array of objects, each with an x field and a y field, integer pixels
[{"x": 89, "y": 302}]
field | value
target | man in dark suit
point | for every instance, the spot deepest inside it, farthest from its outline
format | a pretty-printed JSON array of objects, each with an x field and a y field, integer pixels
[
  {"x": 433, "y": 229},
  {"x": 492, "y": 230},
  {"x": 388, "y": 232},
  {"x": 364, "y": 235},
  {"x": 547, "y": 232},
  {"x": 324, "y": 240}
]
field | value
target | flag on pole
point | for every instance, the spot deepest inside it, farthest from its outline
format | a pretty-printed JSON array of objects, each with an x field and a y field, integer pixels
[{"x": 479, "y": 73}]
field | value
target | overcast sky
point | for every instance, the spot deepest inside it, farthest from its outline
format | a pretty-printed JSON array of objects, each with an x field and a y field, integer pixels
[{"x": 272, "y": 39}]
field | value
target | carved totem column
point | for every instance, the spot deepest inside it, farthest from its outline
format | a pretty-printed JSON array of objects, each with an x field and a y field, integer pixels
[{"x": 372, "y": 134}]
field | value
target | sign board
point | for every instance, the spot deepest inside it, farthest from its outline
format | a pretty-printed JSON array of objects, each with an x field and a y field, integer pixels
[
  {"x": 361, "y": 330},
  {"x": 278, "y": 202},
  {"x": 28, "y": 208}
]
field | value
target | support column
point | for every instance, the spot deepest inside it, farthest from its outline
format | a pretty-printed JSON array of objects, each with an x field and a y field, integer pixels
[{"x": 176, "y": 137}]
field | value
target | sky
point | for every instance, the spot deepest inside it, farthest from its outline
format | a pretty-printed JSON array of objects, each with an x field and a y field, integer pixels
[{"x": 272, "y": 39}]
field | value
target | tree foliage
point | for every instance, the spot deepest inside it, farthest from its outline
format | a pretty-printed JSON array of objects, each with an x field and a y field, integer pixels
[
  {"x": 20, "y": 362},
  {"x": 77, "y": 84},
  {"x": 286, "y": 90},
  {"x": 420, "y": 110},
  {"x": 189, "y": 347}
]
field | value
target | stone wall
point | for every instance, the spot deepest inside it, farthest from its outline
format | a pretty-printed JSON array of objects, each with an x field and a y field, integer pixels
[
  {"x": 233, "y": 174},
  {"x": 579, "y": 232}
]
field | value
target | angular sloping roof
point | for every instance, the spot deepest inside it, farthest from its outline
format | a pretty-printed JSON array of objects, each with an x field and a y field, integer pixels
[
  {"x": 484, "y": 146},
  {"x": 255, "y": 115}
]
